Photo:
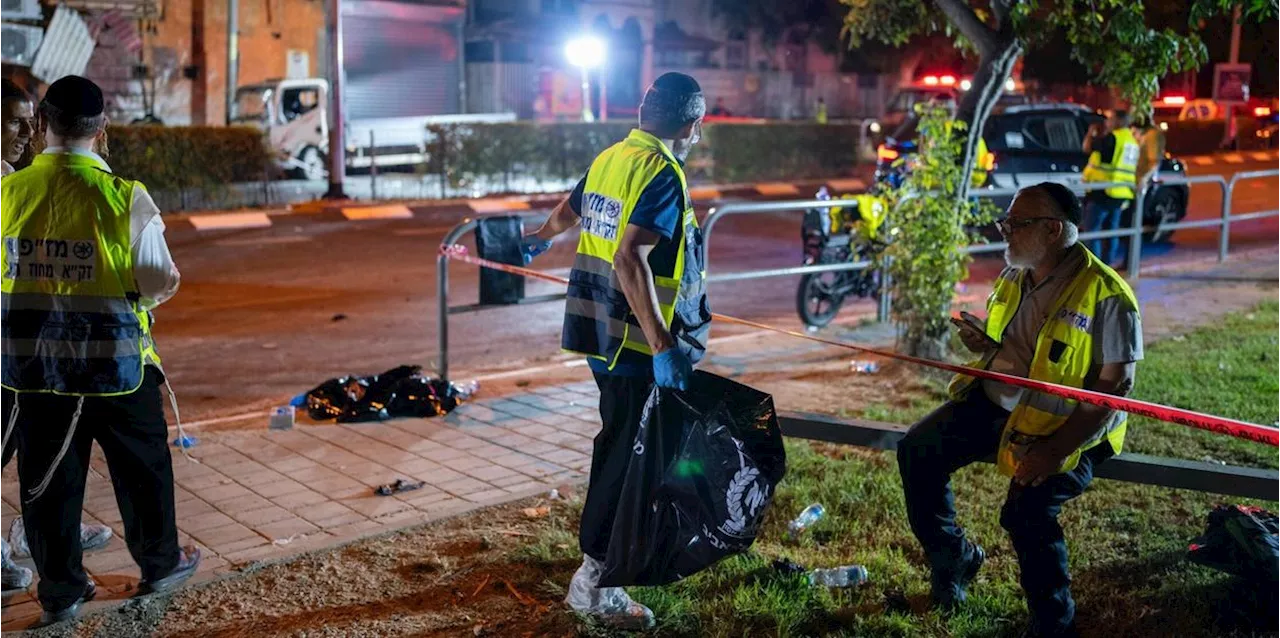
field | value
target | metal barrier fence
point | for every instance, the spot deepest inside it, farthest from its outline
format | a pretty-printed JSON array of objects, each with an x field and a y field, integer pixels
[{"x": 1133, "y": 232}]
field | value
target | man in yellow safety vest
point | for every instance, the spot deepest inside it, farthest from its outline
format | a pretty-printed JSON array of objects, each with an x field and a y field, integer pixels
[
  {"x": 84, "y": 262},
  {"x": 637, "y": 305},
  {"x": 1057, "y": 314},
  {"x": 1113, "y": 157}
]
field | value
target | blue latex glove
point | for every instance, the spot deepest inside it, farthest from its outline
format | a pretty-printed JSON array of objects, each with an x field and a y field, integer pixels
[
  {"x": 672, "y": 370},
  {"x": 532, "y": 247}
]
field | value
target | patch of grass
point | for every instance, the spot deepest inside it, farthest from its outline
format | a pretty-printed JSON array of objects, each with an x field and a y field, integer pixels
[{"x": 1127, "y": 541}]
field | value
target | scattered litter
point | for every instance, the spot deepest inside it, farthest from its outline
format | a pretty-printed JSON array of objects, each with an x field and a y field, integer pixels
[
  {"x": 535, "y": 512},
  {"x": 338, "y": 317},
  {"x": 788, "y": 566},
  {"x": 1180, "y": 338},
  {"x": 401, "y": 391},
  {"x": 524, "y": 600},
  {"x": 805, "y": 520},
  {"x": 400, "y": 485},
  {"x": 482, "y": 584},
  {"x": 864, "y": 367},
  {"x": 286, "y": 541},
  {"x": 846, "y": 576},
  {"x": 554, "y": 494},
  {"x": 270, "y": 346},
  {"x": 282, "y": 418},
  {"x": 185, "y": 442}
]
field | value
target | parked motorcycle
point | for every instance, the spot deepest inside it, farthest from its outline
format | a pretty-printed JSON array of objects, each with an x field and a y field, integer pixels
[{"x": 846, "y": 232}]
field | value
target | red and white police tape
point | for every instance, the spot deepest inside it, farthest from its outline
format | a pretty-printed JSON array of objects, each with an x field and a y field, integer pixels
[{"x": 1221, "y": 425}]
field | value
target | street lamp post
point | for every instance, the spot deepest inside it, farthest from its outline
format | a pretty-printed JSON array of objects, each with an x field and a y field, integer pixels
[{"x": 587, "y": 52}]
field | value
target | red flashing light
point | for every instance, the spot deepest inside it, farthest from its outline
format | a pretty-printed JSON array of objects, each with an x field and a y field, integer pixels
[
  {"x": 931, "y": 80},
  {"x": 947, "y": 80},
  {"x": 1174, "y": 100},
  {"x": 1261, "y": 111}
]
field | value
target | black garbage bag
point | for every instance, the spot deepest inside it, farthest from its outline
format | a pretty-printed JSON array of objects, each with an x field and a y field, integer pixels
[
  {"x": 398, "y": 392},
  {"x": 1240, "y": 540},
  {"x": 703, "y": 471}
]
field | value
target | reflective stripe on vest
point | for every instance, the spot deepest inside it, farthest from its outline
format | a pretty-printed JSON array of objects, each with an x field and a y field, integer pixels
[
  {"x": 598, "y": 320},
  {"x": 71, "y": 326},
  {"x": 1069, "y": 323},
  {"x": 1122, "y": 166}
]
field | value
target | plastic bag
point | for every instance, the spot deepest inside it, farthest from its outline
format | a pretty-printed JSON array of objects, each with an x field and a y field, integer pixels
[
  {"x": 398, "y": 392},
  {"x": 1239, "y": 540},
  {"x": 703, "y": 471}
]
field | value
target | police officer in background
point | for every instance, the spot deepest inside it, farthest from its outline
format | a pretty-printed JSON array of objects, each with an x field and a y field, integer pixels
[
  {"x": 637, "y": 306},
  {"x": 85, "y": 260},
  {"x": 1113, "y": 157}
]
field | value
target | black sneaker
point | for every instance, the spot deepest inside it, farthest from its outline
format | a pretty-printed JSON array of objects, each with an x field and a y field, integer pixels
[
  {"x": 948, "y": 589},
  {"x": 71, "y": 611},
  {"x": 188, "y": 561}
]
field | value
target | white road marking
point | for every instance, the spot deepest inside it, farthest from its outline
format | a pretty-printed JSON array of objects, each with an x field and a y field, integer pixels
[
  {"x": 704, "y": 194},
  {"x": 777, "y": 188},
  {"x": 1261, "y": 156},
  {"x": 497, "y": 205},
  {"x": 1201, "y": 160},
  {"x": 849, "y": 184},
  {"x": 394, "y": 211},
  {"x": 228, "y": 221},
  {"x": 257, "y": 241},
  {"x": 1233, "y": 158}
]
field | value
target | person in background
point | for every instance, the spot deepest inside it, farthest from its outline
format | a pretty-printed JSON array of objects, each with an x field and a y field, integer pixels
[
  {"x": 1151, "y": 141},
  {"x": 637, "y": 306},
  {"x": 719, "y": 109},
  {"x": 85, "y": 261},
  {"x": 1057, "y": 314},
  {"x": 19, "y": 120},
  {"x": 1113, "y": 157}
]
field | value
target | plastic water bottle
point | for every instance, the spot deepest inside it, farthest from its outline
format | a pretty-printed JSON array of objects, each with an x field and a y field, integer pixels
[
  {"x": 847, "y": 576},
  {"x": 805, "y": 520},
  {"x": 864, "y": 367},
  {"x": 281, "y": 418}
]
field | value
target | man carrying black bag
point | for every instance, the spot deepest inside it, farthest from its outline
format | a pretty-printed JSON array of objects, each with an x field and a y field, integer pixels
[{"x": 636, "y": 306}]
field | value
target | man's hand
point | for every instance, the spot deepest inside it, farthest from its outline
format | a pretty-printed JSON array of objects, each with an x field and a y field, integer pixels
[
  {"x": 672, "y": 369},
  {"x": 976, "y": 342},
  {"x": 1040, "y": 462}
]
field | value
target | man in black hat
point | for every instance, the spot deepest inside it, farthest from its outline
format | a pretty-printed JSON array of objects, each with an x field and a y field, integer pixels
[{"x": 85, "y": 262}]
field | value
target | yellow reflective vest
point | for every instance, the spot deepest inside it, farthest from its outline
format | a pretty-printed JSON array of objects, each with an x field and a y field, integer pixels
[
  {"x": 868, "y": 214},
  {"x": 1122, "y": 166},
  {"x": 1063, "y": 355},
  {"x": 72, "y": 324},
  {"x": 598, "y": 320}
]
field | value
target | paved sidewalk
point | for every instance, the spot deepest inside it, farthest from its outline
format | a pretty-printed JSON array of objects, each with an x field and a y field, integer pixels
[{"x": 265, "y": 495}]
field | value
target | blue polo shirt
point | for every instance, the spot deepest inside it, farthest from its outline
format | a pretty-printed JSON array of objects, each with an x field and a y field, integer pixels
[{"x": 660, "y": 210}]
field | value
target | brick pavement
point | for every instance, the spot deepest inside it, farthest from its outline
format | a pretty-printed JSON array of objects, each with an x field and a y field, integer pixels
[{"x": 265, "y": 495}]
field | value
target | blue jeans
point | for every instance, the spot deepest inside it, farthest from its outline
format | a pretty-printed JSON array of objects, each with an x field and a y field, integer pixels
[
  {"x": 1104, "y": 213},
  {"x": 960, "y": 433}
]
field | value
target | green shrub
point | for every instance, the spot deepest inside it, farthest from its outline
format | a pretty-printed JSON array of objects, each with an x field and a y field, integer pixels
[{"x": 181, "y": 158}]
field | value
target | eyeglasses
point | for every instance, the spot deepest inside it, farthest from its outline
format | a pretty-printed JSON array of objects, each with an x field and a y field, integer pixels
[{"x": 1007, "y": 227}]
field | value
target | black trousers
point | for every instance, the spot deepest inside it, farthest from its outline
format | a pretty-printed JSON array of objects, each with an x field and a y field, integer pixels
[
  {"x": 133, "y": 435},
  {"x": 622, "y": 400},
  {"x": 963, "y": 432}
]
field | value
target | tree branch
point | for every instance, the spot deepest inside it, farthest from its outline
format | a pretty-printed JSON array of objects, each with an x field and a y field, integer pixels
[
  {"x": 1000, "y": 11},
  {"x": 962, "y": 17}
]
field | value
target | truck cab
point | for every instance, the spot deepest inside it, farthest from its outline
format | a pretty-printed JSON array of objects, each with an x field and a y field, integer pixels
[{"x": 294, "y": 116}]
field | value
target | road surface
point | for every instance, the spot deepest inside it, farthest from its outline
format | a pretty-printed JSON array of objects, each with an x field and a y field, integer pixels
[{"x": 265, "y": 314}]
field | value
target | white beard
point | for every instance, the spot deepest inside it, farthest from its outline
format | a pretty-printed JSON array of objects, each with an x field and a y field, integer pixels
[{"x": 1027, "y": 258}]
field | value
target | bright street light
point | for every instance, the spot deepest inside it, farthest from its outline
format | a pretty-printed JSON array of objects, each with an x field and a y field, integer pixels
[{"x": 588, "y": 52}]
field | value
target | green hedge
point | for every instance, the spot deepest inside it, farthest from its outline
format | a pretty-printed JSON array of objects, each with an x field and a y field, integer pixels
[
  {"x": 728, "y": 152},
  {"x": 181, "y": 158}
]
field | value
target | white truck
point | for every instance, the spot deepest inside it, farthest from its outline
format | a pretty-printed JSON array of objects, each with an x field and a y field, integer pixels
[{"x": 295, "y": 116}]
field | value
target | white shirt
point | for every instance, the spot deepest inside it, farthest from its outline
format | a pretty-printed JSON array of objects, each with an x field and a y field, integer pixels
[{"x": 154, "y": 273}]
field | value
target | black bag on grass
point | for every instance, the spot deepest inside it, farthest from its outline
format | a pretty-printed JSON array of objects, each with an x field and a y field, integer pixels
[
  {"x": 703, "y": 470},
  {"x": 1240, "y": 540}
]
